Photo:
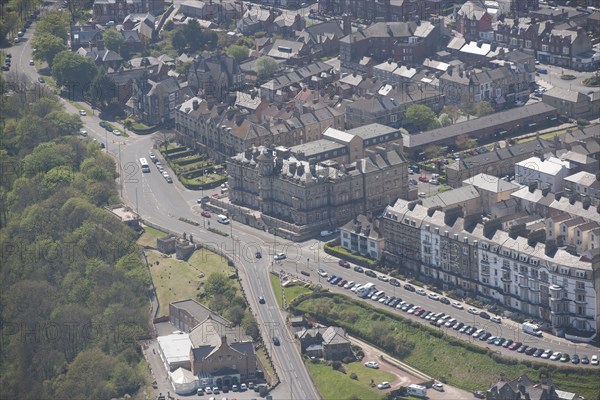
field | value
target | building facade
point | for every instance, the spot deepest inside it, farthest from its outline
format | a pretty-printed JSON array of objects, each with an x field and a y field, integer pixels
[
  {"x": 306, "y": 197},
  {"x": 362, "y": 236},
  {"x": 551, "y": 285}
]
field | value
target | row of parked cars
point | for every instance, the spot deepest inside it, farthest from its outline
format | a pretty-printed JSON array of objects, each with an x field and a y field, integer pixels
[{"x": 234, "y": 388}]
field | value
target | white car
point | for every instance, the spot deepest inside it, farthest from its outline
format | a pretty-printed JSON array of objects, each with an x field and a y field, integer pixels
[
  {"x": 31, "y": 62},
  {"x": 422, "y": 194},
  {"x": 372, "y": 364},
  {"x": 594, "y": 360},
  {"x": 546, "y": 354},
  {"x": 322, "y": 273},
  {"x": 349, "y": 285},
  {"x": 457, "y": 305},
  {"x": 384, "y": 385},
  {"x": 438, "y": 386},
  {"x": 83, "y": 132},
  {"x": 280, "y": 256},
  {"x": 243, "y": 387},
  {"x": 383, "y": 278},
  {"x": 496, "y": 320},
  {"x": 433, "y": 296},
  {"x": 473, "y": 310},
  {"x": 116, "y": 132},
  {"x": 555, "y": 356},
  {"x": 421, "y": 292},
  {"x": 82, "y": 113},
  {"x": 165, "y": 174}
]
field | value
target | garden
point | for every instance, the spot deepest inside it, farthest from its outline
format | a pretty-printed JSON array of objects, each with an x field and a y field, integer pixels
[{"x": 195, "y": 171}]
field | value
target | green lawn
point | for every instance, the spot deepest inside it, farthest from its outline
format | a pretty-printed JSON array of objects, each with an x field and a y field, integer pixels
[
  {"x": 276, "y": 289},
  {"x": 337, "y": 385},
  {"x": 295, "y": 290},
  {"x": 436, "y": 356},
  {"x": 149, "y": 237},
  {"x": 178, "y": 280}
]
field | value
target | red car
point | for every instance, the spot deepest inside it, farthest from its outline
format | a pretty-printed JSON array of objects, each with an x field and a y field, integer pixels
[
  {"x": 423, "y": 179},
  {"x": 205, "y": 214},
  {"x": 343, "y": 282},
  {"x": 344, "y": 263},
  {"x": 515, "y": 345}
]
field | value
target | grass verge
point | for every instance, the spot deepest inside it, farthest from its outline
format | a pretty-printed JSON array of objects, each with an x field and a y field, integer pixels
[
  {"x": 294, "y": 290},
  {"x": 276, "y": 289},
  {"x": 261, "y": 355},
  {"x": 149, "y": 236},
  {"x": 461, "y": 364}
]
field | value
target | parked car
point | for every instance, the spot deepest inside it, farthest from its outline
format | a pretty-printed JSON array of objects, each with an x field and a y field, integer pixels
[
  {"x": 383, "y": 278},
  {"x": 394, "y": 282},
  {"x": 82, "y": 113},
  {"x": 594, "y": 360},
  {"x": 423, "y": 178},
  {"x": 370, "y": 274},
  {"x": 473, "y": 311},
  {"x": 538, "y": 353},
  {"x": 344, "y": 263},
  {"x": 545, "y": 354},
  {"x": 585, "y": 359},
  {"x": 434, "y": 296},
  {"x": 556, "y": 356},
  {"x": 372, "y": 364},
  {"x": 444, "y": 300},
  {"x": 484, "y": 315},
  {"x": 457, "y": 305},
  {"x": 438, "y": 386},
  {"x": 421, "y": 292},
  {"x": 205, "y": 214},
  {"x": 478, "y": 394},
  {"x": 384, "y": 385},
  {"x": 522, "y": 349},
  {"x": 116, "y": 132},
  {"x": 496, "y": 320},
  {"x": 322, "y": 273},
  {"x": 409, "y": 287},
  {"x": 359, "y": 269}
]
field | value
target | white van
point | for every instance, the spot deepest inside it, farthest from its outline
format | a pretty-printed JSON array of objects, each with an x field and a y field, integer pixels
[
  {"x": 532, "y": 329},
  {"x": 417, "y": 390},
  {"x": 222, "y": 219}
]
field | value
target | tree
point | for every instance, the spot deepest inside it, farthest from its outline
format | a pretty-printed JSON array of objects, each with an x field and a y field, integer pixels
[
  {"x": 74, "y": 70},
  {"x": 113, "y": 40},
  {"x": 483, "y": 108},
  {"x": 55, "y": 24},
  {"x": 102, "y": 90},
  {"x": 240, "y": 53},
  {"x": 444, "y": 120},
  {"x": 433, "y": 151},
  {"x": 265, "y": 67},
  {"x": 178, "y": 41},
  {"x": 193, "y": 35},
  {"x": 453, "y": 112},
  {"x": 421, "y": 117},
  {"x": 47, "y": 47}
]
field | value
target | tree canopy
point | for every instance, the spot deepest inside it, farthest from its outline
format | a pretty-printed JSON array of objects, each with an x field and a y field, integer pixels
[
  {"x": 47, "y": 46},
  {"x": 54, "y": 23},
  {"x": 71, "y": 273},
  {"x": 421, "y": 117},
  {"x": 113, "y": 40},
  {"x": 74, "y": 71},
  {"x": 240, "y": 53},
  {"x": 265, "y": 67}
]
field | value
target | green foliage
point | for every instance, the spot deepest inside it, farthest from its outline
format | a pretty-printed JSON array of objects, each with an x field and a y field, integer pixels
[
  {"x": 113, "y": 40},
  {"x": 192, "y": 36},
  {"x": 265, "y": 67},
  {"x": 55, "y": 24},
  {"x": 47, "y": 47},
  {"x": 184, "y": 68},
  {"x": 582, "y": 121},
  {"x": 71, "y": 268},
  {"x": 102, "y": 90},
  {"x": 339, "y": 251},
  {"x": 482, "y": 108},
  {"x": 421, "y": 117},
  {"x": 452, "y": 112},
  {"x": 444, "y": 120},
  {"x": 240, "y": 53},
  {"x": 73, "y": 70}
]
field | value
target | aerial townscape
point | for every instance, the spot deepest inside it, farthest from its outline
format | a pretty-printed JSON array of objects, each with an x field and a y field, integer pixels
[{"x": 289, "y": 200}]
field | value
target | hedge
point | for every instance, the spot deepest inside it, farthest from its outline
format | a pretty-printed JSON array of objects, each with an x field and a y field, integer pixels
[
  {"x": 173, "y": 150},
  {"x": 188, "y": 161},
  {"x": 200, "y": 186},
  {"x": 348, "y": 256}
]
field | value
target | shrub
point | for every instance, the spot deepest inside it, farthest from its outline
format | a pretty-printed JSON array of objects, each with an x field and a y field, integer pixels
[
  {"x": 582, "y": 121},
  {"x": 348, "y": 360},
  {"x": 354, "y": 376}
]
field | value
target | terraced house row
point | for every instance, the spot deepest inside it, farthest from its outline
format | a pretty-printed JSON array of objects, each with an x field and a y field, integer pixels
[{"x": 555, "y": 287}]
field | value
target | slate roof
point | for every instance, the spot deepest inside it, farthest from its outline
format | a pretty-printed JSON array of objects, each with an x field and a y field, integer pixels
[{"x": 391, "y": 29}]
